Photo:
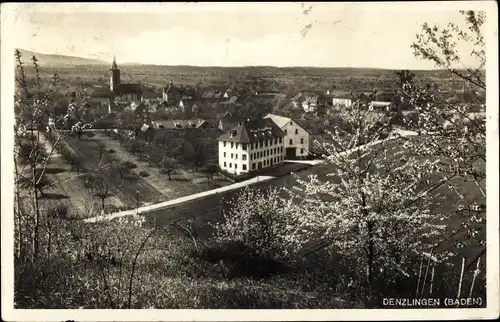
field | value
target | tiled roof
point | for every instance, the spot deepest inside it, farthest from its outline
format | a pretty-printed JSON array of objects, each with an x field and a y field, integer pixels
[
  {"x": 129, "y": 89},
  {"x": 212, "y": 94},
  {"x": 224, "y": 115},
  {"x": 101, "y": 92},
  {"x": 151, "y": 95},
  {"x": 378, "y": 103},
  {"x": 181, "y": 124},
  {"x": 279, "y": 120},
  {"x": 252, "y": 131},
  {"x": 227, "y": 123}
]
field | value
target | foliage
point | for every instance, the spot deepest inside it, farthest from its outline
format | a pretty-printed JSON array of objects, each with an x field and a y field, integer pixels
[
  {"x": 129, "y": 165},
  {"x": 453, "y": 132},
  {"x": 258, "y": 220},
  {"x": 168, "y": 166}
]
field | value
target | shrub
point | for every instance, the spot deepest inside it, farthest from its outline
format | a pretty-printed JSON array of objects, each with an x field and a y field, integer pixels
[
  {"x": 239, "y": 260},
  {"x": 144, "y": 174},
  {"x": 129, "y": 165},
  {"x": 112, "y": 208},
  {"x": 111, "y": 151},
  {"x": 59, "y": 211}
]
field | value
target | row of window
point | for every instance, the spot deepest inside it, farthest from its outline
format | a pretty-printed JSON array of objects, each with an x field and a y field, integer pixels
[
  {"x": 261, "y": 154},
  {"x": 296, "y": 130},
  {"x": 235, "y": 165},
  {"x": 255, "y": 145},
  {"x": 257, "y": 155},
  {"x": 301, "y": 141},
  {"x": 268, "y": 162},
  {"x": 264, "y": 163}
]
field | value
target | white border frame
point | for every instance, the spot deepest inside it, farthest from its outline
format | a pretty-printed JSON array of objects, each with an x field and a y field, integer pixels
[{"x": 492, "y": 261}]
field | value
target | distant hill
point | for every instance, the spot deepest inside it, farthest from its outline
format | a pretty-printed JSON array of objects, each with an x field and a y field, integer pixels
[{"x": 59, "y": 60}]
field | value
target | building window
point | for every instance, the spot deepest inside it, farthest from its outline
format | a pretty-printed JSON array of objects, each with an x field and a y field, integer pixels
[
  {"x": 224, "y": 154},
  {"x": 302, "y": 151},
  {"x": 236, "y": 145},
  {"x": 244, "y": 146},
  {"x": 224, "y": 164},
  {"x": 291, "y": 123},
  {"x": 286, "y": 131},
  {"x": 261, "y": 144},
  {"x": 281, "y": 140},
  {"x": 244, "y": 157},
  {"x": 224, "y": 143},
  {"x": 266, "y": 142},
  {"x": 232, "y": 155},
  {"x": 281, "y": 149},
  {"x": 274, "y": 150},
  {"x": 253, "y": 166},
  {"x": 291, "y": 142},
  {"x": 244, "y": 167},
  {"x": 296, "y": 131},
  {"x": 302, "y": 141},
  {"x": 232, "y": 145},
  {"x": 230, "y": 165},
  {"x": 268, "y": 152},
  {"x": 236, "y": 165},
  {"x": 236, "y": 156}
]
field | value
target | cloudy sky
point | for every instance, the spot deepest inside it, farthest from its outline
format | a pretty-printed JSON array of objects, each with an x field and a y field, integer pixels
[{"x": 235, "y": 34}]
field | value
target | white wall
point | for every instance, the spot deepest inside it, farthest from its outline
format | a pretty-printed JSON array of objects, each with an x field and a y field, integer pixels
[
  {"x": 289, "y": 129},
  {"x": 235, "y": 165}
]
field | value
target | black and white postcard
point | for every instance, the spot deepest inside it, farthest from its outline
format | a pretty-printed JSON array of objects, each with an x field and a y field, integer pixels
[{"x": 249, "y": 161}]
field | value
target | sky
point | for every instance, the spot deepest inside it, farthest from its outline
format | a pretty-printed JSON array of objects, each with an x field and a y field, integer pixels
[{"x": 376, "y": 35}]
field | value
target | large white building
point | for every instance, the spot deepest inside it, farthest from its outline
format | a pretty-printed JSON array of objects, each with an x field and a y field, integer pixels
[
  {"x": 296, "y": 137},
  {"x": 250, "y": 146}
]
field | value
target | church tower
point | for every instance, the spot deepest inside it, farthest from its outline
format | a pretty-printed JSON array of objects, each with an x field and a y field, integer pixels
[{"x": 114, "y": 78}]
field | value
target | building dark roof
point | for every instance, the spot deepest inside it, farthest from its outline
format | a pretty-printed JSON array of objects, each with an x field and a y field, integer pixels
[
  {"x": 252, "y": 131},
  {"x": 151, "y": 95},
  {"x": 226, "y": 114},
  {"x": 101, "y": 92},
  {"x": 213, "y": 94},
  {"x": 180, "y": 124},
  {"x": 227, "y": 123},
  {"x": 129, "y": 88}
]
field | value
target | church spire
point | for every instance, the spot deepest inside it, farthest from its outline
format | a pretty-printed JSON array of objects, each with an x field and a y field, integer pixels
[{"x": 114, "y": 63}]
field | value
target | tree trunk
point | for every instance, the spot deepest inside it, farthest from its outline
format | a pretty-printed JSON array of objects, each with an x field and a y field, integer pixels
[
  {"x": 102, "y": 203},
  {"x": 49, "y": 238},
  {"x": 18, "y": 212},
  {"x": 36, "y": 241},
  {"x": 370, "y": 257}
]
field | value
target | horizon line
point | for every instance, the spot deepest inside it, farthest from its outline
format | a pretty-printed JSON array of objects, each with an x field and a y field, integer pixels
[{"x": 104, "y": 63}]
